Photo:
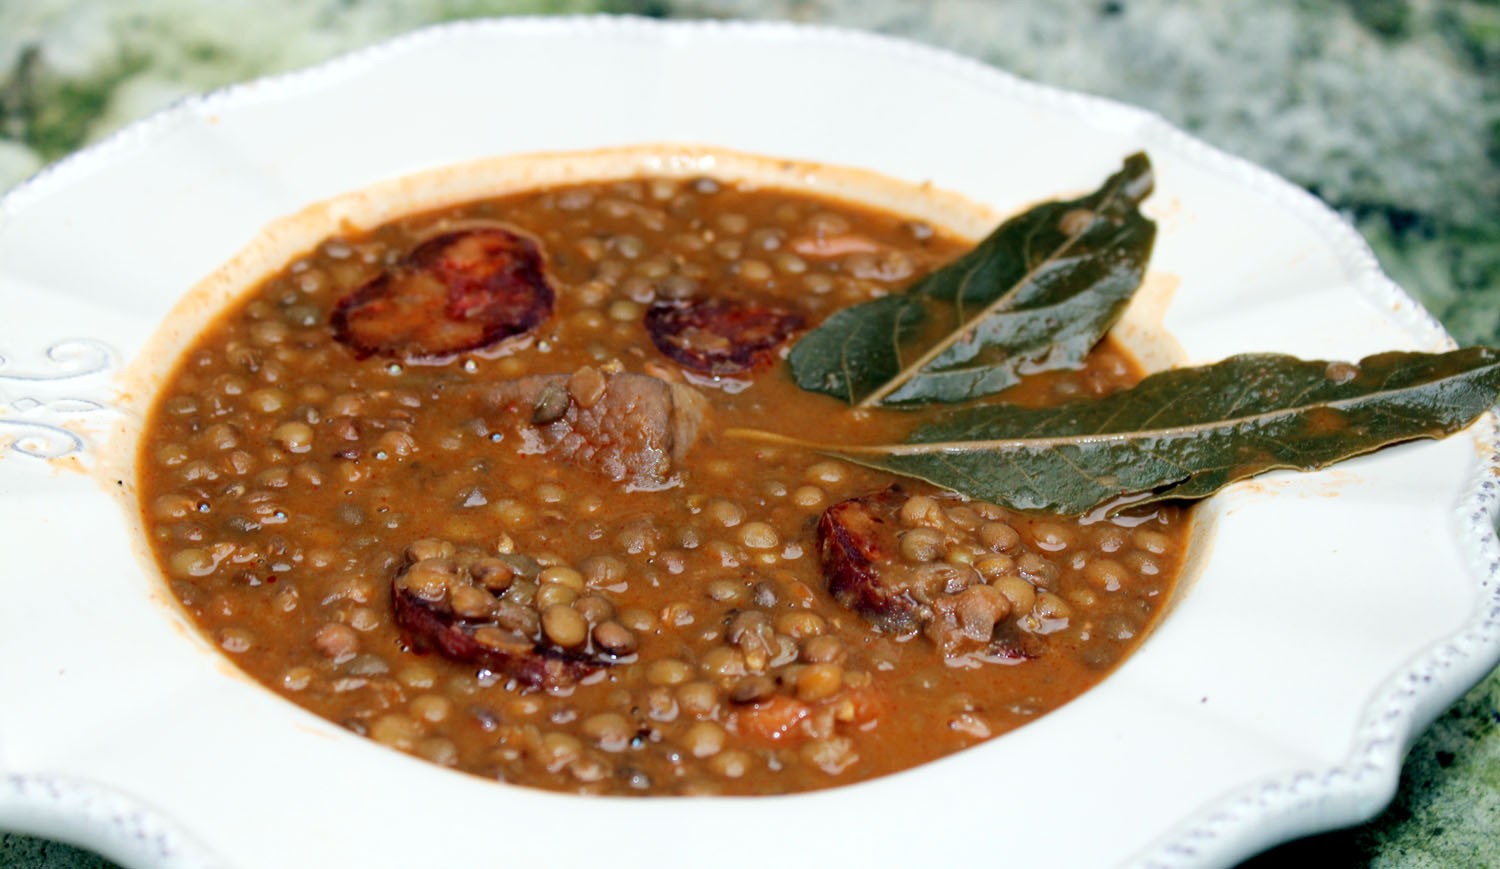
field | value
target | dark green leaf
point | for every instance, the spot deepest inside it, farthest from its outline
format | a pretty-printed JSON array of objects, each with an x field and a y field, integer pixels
[
  {"x": 1036, "y": 294},
  {"x": 1189, "y": 432},
  {"x": 853, "y": 346}
]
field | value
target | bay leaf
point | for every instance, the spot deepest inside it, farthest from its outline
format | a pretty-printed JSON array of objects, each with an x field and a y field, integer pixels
[
  {"x": 1186, "y": 433},
  {"x": 1036, "y": 294}
]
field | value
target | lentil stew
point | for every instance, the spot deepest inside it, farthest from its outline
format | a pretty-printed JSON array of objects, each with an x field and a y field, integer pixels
[{"x": 457, "y": 484}]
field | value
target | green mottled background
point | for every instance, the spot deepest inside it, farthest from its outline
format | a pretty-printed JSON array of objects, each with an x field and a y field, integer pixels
[{"x": 1387, "y": 109}]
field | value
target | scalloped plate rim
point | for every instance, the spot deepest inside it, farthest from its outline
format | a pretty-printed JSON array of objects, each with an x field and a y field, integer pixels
[{"x": 1239, "y": 823}]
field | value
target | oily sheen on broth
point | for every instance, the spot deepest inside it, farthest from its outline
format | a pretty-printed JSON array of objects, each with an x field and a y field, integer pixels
[{"x": 458, "y": 484}]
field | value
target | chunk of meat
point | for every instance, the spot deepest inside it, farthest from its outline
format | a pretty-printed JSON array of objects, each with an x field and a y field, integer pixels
[
  {"x": 833, "y": 246},
  {"x": 630, "y": 428},
  {"x": 721, "y": 337},
  {"x": 459, "y": 291},
  {"x": 773, "y": 721},
  {"x": 909, "y": 585}
]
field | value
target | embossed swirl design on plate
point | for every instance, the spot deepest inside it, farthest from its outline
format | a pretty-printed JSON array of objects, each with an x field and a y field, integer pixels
[{"x": 38, "y": 401}]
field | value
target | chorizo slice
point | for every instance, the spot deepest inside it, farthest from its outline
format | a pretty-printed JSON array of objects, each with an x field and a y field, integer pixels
[
  {"x": 857, "y": 540},
  {"x": 721, "y": 337},
  {"x": 458, "y": 291},
  {"x": 886, "y": 555},
  {"x": 429, "y": 626},
  {"x": 459, "y": 607}
]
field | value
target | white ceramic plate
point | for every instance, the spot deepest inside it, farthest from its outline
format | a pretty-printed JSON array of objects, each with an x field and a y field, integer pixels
[{"x": 1335, "y": 614}]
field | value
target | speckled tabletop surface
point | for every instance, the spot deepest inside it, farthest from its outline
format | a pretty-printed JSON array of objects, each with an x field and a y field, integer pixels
[{"x": 1387, "y": 109}]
